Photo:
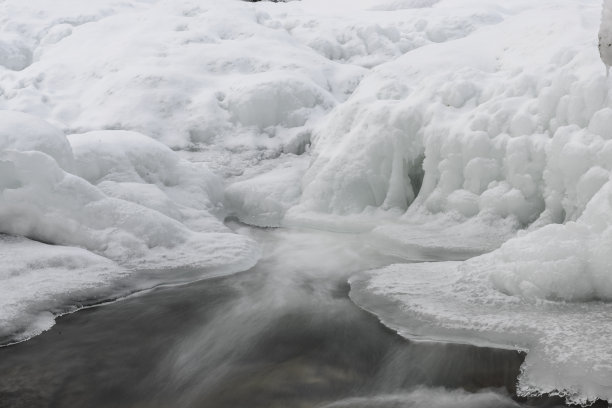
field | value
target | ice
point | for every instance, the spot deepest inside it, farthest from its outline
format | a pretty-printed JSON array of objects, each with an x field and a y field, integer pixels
[
  {"x": 185, "y": 77},
  {"x": 38, "y": 278},
  {"x": 475, "y": 118},
  {"x": 567, "y": 343},
  {"x": 424, "y": 397},
  {"x": 439, "y": 238}
]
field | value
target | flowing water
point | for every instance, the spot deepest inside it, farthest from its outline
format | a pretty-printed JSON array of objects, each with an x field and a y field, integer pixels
[{"x": 283, "y": 334}]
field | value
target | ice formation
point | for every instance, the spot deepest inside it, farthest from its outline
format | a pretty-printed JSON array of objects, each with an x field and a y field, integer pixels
[{"x": 567, "y": 343}]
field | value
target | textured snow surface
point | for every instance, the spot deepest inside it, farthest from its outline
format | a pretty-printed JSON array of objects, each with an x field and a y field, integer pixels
[
  {"x": 38, "y": 279},
  {"x": 173, "y": 70},
  {"x": 129, "y": 200}
]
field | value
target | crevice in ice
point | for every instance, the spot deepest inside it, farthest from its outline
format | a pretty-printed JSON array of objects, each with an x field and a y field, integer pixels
[{"x": 416, "y": 174}]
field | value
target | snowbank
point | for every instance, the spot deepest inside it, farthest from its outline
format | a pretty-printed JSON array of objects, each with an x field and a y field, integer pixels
[{"x": 130, "y": 200}]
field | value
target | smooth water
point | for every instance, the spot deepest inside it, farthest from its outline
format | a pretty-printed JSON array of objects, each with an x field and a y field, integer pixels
[{"x": 283, "y": 334}]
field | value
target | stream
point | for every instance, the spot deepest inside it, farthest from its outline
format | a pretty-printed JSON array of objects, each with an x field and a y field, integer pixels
[{"x": 283, "y": 334}]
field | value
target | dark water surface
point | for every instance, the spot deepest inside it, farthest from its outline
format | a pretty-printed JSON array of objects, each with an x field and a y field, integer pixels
[{"x": 284, "y": 334}]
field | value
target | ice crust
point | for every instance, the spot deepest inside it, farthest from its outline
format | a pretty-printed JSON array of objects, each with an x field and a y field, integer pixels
[
  {"x": 567, "y": 343},
  {"x": 38, "y": 279}
]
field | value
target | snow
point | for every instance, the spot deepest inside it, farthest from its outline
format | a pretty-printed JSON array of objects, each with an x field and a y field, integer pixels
[
  {"x": 175, "y": 71},
  {"x": 19, "y": 131},
  {"x": 37, "y": 278},
  {"x": 133, "y": 167},
  {"x": 137, "y": 204},
  {"x": 480, "y": 117},
  {"x": 427, "y": 397}
]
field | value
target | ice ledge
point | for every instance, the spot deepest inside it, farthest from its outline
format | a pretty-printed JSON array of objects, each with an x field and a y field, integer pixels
[{"x": 567, "y": 343}]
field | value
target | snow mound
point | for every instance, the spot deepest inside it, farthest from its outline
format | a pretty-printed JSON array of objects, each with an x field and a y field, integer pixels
[
  {"x": 133, "y": 167},
  {"x": 186, "y": 78},
  {"x": 137, "y": 207},
  {"x": 272, "y": 101},
  {"x": 14, "y": 55},
  {"x": 41, "y": 201}
]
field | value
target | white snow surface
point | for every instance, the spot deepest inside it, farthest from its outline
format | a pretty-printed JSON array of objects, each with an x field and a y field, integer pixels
[{"x": 129, "y": 200}]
